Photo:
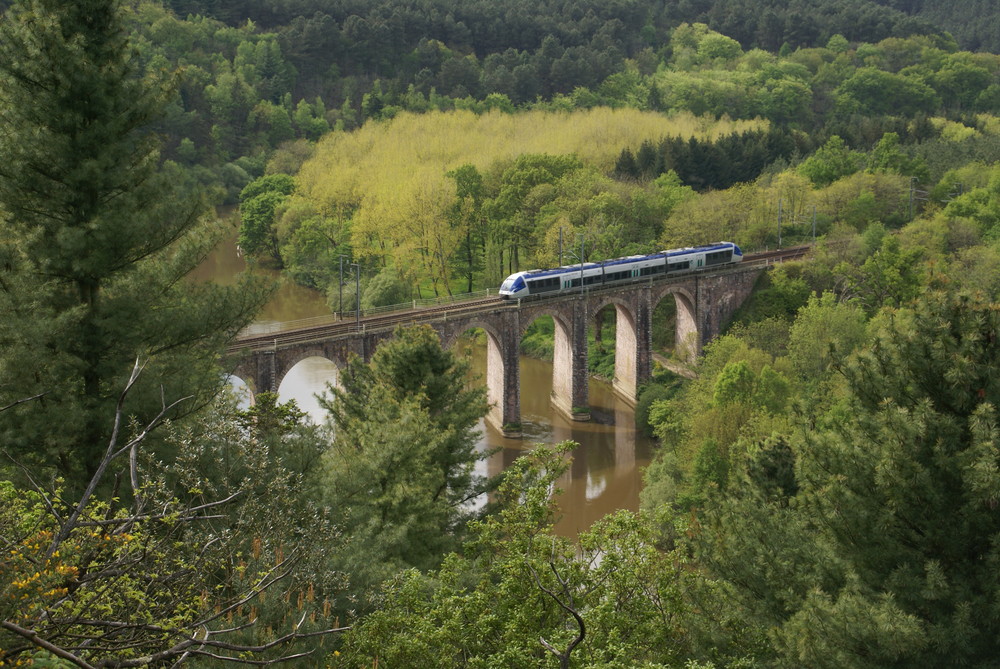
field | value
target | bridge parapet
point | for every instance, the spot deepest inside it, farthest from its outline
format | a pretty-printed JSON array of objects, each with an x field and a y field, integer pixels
[{"x": 705, "y": 302}]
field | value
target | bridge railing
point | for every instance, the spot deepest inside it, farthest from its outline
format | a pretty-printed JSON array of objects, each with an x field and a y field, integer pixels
[
  {"x": 269, "y": 327},
  {"x": 425, "y": 302}
]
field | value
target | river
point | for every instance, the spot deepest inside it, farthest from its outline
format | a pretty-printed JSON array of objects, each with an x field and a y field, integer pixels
[{"x": 606, "y": 472}]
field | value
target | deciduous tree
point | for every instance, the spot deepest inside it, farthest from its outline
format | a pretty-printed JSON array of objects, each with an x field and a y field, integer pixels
[{"x": 881, "y": 552}]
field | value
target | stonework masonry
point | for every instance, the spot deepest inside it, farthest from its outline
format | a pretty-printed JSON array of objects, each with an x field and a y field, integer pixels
[{"x": 705, "y": 302}]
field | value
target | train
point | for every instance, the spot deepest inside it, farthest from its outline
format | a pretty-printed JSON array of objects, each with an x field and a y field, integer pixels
[{"x": 663, "y": 263}]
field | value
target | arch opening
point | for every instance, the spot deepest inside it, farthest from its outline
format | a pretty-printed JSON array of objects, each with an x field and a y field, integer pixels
[
  {"x": 240, "y": 390},
  {"x": 307, "y": 379},
  {"x": 479, "y": 339},
  {"x": 675, "y": 327},
  {"x": 602, "y": 339},
  {"x": 549, "y": 337},
  {"x": 477, "y": 342}
]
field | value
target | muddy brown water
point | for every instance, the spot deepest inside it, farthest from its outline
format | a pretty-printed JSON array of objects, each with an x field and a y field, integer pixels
[{"x": 606, "y": 471}]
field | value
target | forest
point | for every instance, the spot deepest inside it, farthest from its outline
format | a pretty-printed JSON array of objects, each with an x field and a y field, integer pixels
[{"x": 824, "y": 478}]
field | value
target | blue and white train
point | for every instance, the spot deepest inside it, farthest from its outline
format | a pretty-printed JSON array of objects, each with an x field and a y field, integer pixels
[{"x": 567, "y": 278}]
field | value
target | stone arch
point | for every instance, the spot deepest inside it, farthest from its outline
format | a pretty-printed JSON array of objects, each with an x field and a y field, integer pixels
[
  {"x": 246, "y": 377},
  {"x": 449, "y": 335},
  {"x": 501, "y": 373},
  {"x": 687, "y": 337},
  {"x": 628, "y": 342},
  {"x": 303, "y": 383},
  {"x": 568, "y": 350},
  {"x": 614, "y": 299},
  {"x": 247, "y": 381},
  {"x": 530, "y": 316},
  {"x": 290, "y": 359}
]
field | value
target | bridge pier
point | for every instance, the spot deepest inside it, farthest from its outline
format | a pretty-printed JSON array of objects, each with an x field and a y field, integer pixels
[
  {"x": 704, "y": 303},
  {"x": 503, "y": 377},
  {"x": 570, "y": 376}
]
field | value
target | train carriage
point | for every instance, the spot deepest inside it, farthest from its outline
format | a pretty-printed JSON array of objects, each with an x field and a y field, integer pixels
[{"x": 569, "y": 277}]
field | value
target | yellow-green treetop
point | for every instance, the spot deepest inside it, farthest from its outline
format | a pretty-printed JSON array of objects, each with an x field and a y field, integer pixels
[{"x": 390, "y": 177}]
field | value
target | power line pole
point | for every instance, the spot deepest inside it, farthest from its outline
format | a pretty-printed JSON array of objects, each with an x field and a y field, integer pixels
[
  {"x": 560, "y": 246},
  {"x": 340, "y": 300},
  {"x": 357, "y": 294},
  {"x": 779, "y": 222}
]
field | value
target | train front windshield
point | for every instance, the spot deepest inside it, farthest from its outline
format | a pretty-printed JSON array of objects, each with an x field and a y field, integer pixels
[{"x": 507, "y": 285}]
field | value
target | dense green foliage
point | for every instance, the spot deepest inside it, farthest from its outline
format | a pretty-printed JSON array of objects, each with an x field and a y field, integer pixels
[
  {"x": 519, "y": 595},
  {"x": 111, "y": 557},
  {"x": 96, "y": 239},
  {"x": 824, "y": 487},
  {"x": 263, "y": 81},
  {"x": 399, "y": 475},
  {"x": 835, "y": 442},
  {"x": 297, "y": 70},
  {"x": 878, "y": 551}
]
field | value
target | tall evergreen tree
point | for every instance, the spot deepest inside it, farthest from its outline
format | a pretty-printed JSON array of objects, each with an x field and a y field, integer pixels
[
  {"x": 97, "y": 236},
  {"x": 401, "y": 470}
]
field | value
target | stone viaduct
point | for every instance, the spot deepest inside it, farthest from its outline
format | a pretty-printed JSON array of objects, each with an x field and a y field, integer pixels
[{"x": 704, "y": 303}]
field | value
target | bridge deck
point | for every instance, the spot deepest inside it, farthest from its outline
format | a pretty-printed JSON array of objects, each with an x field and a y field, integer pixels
[{"x": 330, "y": 327}]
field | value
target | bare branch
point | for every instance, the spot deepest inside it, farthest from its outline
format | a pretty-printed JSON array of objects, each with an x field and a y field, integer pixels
[
  {"x": 133, "y": 470},
  {"x": 195, "y": 646},
  {"x": 563, "y": 656},
  {"x": 25, "y": 400},
  {"x": 110, "y": 454},
  {"x": 31, "y": 636}
]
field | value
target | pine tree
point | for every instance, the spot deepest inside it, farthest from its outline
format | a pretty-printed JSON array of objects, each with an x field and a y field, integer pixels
[
  {"x": 648, "y": 161},
  {"x": 625, "y": 166},
  {"x": 97, "y": 237},
  {"x": 401, "y": 468}
]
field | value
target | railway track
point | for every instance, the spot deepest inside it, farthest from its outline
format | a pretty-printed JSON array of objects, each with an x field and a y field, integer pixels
[
  {"x": 333, "y": 327},
  {"x": 322, "y": 328},
  {"x": 793, "y": 253}
]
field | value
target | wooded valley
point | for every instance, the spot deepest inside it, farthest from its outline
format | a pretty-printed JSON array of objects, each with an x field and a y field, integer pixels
[{"x": 824, "y": 490}]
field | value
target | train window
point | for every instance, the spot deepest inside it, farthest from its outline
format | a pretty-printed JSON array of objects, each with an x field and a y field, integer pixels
[
  {"x": 678, "y": 266},
  {"x": 718, "y": 257},
  {"x": 543, "y": 285}
]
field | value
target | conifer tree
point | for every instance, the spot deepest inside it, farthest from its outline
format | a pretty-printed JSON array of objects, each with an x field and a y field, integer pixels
[
  {"x": 401, "y": 469},
  {"x": 97, "y": 236}
]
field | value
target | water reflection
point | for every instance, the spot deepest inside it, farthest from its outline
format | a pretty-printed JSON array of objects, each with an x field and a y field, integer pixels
[
  {"x": 605, "y": 474},
  {"x": 305, "y": 381}
]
